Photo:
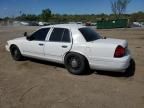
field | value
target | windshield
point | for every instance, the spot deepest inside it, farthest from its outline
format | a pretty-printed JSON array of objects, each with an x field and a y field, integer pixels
[{"x": 89, "y": 34}]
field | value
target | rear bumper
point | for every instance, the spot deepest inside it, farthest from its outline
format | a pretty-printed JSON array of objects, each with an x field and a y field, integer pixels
[{"x": 115, "y": 64}]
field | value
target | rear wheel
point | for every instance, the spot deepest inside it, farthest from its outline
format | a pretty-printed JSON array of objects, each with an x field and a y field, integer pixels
[
  {"x": 130, "y": 71},
  {"x": 15, "y": 52},
  {"x": 75, "y": 63}
]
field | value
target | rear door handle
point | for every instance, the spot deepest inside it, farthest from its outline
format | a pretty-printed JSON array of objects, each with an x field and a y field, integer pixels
[
  {"x": 41, "y": 44},
  {"x": 64, "y": 46}
]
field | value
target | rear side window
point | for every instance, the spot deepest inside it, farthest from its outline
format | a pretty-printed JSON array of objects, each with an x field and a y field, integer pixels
[
  {"x": 57, "y": 34},
  {"x": 60, "y": 35},
  {"x": 66, "y": 36},
  {"x": 89, "y": 34},
  {"x": 40, "y": 35}
]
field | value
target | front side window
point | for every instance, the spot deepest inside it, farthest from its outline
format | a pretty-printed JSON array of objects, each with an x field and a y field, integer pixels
[
  {"x": 60, "y": 35},
  {"x": 89, "y": 34},
  {"x": 40, "y": 35}
]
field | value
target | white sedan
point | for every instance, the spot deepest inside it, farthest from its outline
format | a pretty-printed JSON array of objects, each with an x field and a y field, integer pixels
[{"x": 77, "y": 47}]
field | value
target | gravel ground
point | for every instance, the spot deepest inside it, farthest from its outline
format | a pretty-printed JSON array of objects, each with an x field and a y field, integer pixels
[{"x": 37, "y": 84}]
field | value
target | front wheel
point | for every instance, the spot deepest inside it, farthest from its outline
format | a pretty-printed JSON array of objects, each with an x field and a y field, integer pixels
[
  {"x": 15, "y": 52},
  {"x": 75, "y": 63}
]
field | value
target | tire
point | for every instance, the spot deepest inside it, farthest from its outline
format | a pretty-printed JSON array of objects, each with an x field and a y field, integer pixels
[
  {"x": 15, "y": 53},
  {"x": 75, "y": 63},
  {"x": 130, "y": 71}
]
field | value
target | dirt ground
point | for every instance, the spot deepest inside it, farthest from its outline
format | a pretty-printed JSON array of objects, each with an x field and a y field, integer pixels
[{"x": 35, "y": 84}]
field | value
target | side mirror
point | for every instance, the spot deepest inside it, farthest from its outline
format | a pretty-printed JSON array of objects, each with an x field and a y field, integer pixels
[
  {"x": 25, "y": 34},
  {"x": 104, "y": 37},
  {"x": 28, "y": 38}
]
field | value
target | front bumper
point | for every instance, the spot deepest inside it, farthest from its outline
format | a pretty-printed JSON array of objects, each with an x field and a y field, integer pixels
[{"x": 7, "y": 47}]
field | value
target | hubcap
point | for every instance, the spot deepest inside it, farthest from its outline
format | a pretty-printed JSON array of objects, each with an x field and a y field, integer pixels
[{"x": 74, "y": 63}]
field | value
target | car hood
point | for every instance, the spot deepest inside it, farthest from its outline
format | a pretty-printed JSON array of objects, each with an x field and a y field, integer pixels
[
  {"x": 121, "y": 42},
  {"x": 20, "y": 38}
]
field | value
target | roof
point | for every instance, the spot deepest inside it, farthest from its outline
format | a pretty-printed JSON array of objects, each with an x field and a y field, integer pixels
[
  {"x": 77, "y": 36},
  {"x": 68, "y": 26}
]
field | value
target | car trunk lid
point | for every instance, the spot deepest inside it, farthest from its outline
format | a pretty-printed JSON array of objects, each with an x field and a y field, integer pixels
[{"x": 112, "y": 41}]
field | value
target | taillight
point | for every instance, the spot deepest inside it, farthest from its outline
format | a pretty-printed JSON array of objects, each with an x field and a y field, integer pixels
[{"x": 119, "y": 52}]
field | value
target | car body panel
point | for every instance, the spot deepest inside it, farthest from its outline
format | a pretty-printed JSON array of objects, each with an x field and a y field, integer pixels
[
  {"x": 33, "y": 48},
  {"x": 55, "y": 51}
]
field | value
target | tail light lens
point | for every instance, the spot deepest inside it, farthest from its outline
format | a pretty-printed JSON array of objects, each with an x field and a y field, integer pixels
[{"x": 119, "y": 52}]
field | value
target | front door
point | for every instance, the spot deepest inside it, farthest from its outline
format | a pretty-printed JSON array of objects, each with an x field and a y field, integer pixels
[{"x": 34, "y": 46}]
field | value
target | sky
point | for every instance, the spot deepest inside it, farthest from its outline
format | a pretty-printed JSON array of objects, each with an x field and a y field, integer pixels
[{"x": 13, "y": 7}]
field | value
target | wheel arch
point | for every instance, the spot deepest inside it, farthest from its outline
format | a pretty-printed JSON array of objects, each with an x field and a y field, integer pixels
[
  {"x": 14, "y": 45},
  {"x": 77, "y": 53}
]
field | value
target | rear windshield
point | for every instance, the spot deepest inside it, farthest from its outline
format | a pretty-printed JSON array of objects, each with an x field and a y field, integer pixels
[{"x": 89, "y": 34}]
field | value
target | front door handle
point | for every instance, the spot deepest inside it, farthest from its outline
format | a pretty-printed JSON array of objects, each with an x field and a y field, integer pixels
[
  {"x": 64, "y": 46},
  {"x": 41, "y": 44}
]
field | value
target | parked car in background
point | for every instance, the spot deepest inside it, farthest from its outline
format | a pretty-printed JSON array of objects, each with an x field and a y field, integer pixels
[
  {"x": 137, "y": 24},
  {"x": 77, "y": 47},
  {"x": 33, "y": 23},
  {"x": 29, "y": 23},
  {"x": 43, "y": 23},
  {"x": 88, "y": 24},
  {"x": 24, "y": 23}
]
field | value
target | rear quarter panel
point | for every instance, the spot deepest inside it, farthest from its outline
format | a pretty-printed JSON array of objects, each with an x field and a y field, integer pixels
[{"x": 95, "y": 52}]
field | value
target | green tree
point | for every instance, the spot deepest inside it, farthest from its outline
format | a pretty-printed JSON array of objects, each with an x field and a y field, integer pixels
[
  {"x": 45, "y": 15},
  {"x": 27, "y": 17},
  {"x": 139, "y": 16}
]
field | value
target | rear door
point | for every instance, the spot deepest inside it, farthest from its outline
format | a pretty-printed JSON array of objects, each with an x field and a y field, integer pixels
[{"x": 58, "y": 44}]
